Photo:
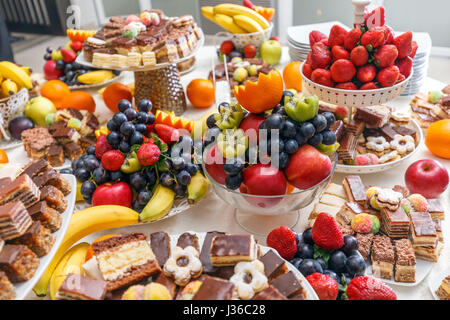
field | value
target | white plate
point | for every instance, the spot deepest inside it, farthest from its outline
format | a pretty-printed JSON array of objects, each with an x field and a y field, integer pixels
[
  {"x": 22, "y": 289},
  {"x": 342, "y": 168},
  {"x": 435, "y": 280},
  {"x": 10, "y": 144},
  {"x": 423, "y": 268}
]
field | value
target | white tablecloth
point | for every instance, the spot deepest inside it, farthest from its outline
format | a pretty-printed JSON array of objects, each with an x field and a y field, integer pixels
[{"x": 213, "y": 214}]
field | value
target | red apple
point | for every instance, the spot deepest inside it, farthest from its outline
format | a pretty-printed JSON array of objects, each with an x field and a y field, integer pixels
[
  {"x": 50, "y": 71},
  {"x": 113, "y": 194},
  {"x": 307, "y": 167},
  {"x": 275, "y": 38},
  {"x": 427, "y": 177},
  {"x": 214, "y": 165},
  {"x": 251, "y": 124}
]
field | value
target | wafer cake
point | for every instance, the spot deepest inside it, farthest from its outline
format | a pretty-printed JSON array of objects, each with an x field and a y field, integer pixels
[
  {"x": 395, "y": 223},
  {"x": 18, "y": 262},
  {"x": 21, "y": 189},
  {"x": 423, "y": 230},
  {"x": 14, "y": 220}
]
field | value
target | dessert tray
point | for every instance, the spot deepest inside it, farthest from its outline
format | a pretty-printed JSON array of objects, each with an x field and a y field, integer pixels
[
  {"x": 10, "y": 144},
  {"x": 435, "y": 280},
  {"x": 23, "y": 289}
]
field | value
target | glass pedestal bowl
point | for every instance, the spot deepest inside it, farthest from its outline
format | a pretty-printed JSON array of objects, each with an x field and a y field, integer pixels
[{"x": 258, "y": 215}]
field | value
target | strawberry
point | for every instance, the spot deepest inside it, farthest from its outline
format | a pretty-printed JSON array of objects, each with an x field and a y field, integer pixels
[
  {"x": 326, "y": 233},
  {"x": 250, "y": 51},
  {"x": 316, "y": 36},
  {"x": 359, "y": 56},
  {"x": 248, "y": 4},
  {"x": 368, "y": 288},
  {"x": 405, "y": 66},
  {"x": 375, "y": 18},
  {"x": 167, "y": 133},
  {"x": 76, "y": 46},
  {"x": 352, "y": 38},
  {"x": 325, "y": 286},
  {"x": 337, "y": 36},
  {"x": 308, "y": 58},
  {"x": 385, "y": 55},
  {"x": 414, "y": 47},
  {"x": 320, "y": 56},
  {"x": 102, "y": 147},
  {"x": 346, "y": 86},
  {"x": 342, "y": 70},
  {"x": 366, "y": 73},
  {"x": 339, "y": 52},
  {"x": 341, "y": 112},
  {"x": 388, "y": 76},
  {"x": 307, "y": 70},
  {"x": 400, "y": 78},
  {"x": 69, "y": 56},
  {"x": 112, "y": 160},
  {"x": 148, "y": 154},
  {"x": 284, "y": 241},
  {"x": 404, "y": 44},
  {"x": 369, "y": 86},
  {"x": 389, "y": 34},
  {"x": 322, "y": 76},
  {"x": 226, "y": 47},
  {"x": 373, "y": 38}
]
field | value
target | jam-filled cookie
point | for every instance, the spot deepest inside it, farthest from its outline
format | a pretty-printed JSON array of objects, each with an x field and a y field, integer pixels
[
  {"x": 183, "y": 265},
  {"x": 249, "y": 279}
]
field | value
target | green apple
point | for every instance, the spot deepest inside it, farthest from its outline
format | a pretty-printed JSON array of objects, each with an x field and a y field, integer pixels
[
  {"x": 270, "y": 52},
  {"x": 37, "y": 110}
]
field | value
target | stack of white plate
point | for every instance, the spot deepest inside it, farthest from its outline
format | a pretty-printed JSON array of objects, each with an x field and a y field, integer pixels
[
  {"x": 298, "y": 38},
  {"x": 420, "y": 63}
]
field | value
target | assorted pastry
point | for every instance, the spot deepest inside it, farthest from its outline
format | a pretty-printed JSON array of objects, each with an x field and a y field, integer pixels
[
  {"x": 443, "y": 291},
  {"x": 430, "y": 107},
  {"x": 145, "y": 41},
  {"x": 30, "y": 211}
]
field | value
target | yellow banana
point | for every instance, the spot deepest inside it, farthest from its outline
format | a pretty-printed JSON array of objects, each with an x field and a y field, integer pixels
[
  {"x": 79, "y": 196},
  {"x": 84, "y": 223},
  {"x": 27, "y": 70},
  {"x": 70, "y": 263},
  {"x": 231, "y": 9},
  {"x": 1, "y": 78},
  {"x": 208, "y": 12},
  {"x": 197, "y": 188},
  {"x": 227, "y": 23},
  {"x": 159, "y": 205},
  {"x": 247, "y": 23},
  {"x": 12, "y": 71},
  {"x": 9, "y": 88},
  {"x": 96, "y": 76}
]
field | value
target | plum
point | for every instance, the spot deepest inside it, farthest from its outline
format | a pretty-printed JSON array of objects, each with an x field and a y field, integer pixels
[{"x": 19, "y": 124}]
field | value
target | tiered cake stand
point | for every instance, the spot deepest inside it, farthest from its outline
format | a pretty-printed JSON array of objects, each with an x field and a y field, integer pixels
[{"x": 160, "y": 83}]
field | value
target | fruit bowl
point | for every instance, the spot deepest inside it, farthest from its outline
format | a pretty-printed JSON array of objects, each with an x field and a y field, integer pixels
[
  {"x": 354, "y": 98},
  {"x": 241, "y": 40},
  {"x": 260, "y": 214}
]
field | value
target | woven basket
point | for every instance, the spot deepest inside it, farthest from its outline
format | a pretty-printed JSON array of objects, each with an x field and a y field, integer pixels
[{"x": 13, "y": 105}]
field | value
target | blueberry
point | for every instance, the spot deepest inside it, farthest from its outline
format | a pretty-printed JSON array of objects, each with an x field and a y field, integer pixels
[
  {"x": 289, "y": 129},
  {"x": 113, "y": 138},
  {"x": 145, "y": 105},
  {"x": 76, "y": 164},
  {"x": 60, "y": 64},
  {"x": 138, "y": 181},
  {"x": 87, "y": 189},
  {"x": 142, "y": 117},
  {"x": 131, "y": 114},
  {"x": 82, "y": 174},
  {"x": 320, "y": 123},
  {"x": 90, "y": 150},
  {"x": 309, "y": 266},
  {"x": 234, "y": 166},
  {"x": 151, "y": 119},
  {"x": 211, "y": 122},
  {"x": 274, "y": 122},
  {"x": 328, "y": 138},
  {"x": 68, "y": 68},
  {"x": 116, "y": 176},
  {"x": 233, "y": 182},
  {"x": 306, "y": 251},
  {"x": 100, "y": 176},
  {"x": 124, "y": 105},
  {"x": 300, "y": 138},
  {"x": 296, "y": 262},
  {"x": 119, "y": 118},
  {"x": 166, "y": 179},
  {"x": 350, "y": 244},
  {"x": 66, "y": 171},
  {"x": 285, "y": 94},
  {"x": 127, "y": 128},
  {"x": 192, "y": 168},
  {"x": 283, "y": 160},
  {"x": 330, "y": 118},
  {"x": 91, "y": 163},
  {"x": 184, "y": 177},
  {"x": 307, "y": 236},
  {"x": 291, "y": 146},
  {"x": 179, "y": 190},
  {"x": 178, "y": 163},
  {"x": 136, "y": 138},
  {"x": 144, "y": 197},
  {"x": 315, "y": 140},
  {"x": 332, "y": 274},
  {"x": 337, "y": 262},
  {"x": 140, "y": 127},
  {"x": 151, "y": 177},
  {"x": 124, "y": 146},
  {"x": 355, "y": 265},
  {"x": 322, "y": 263},
  {"x": 308, "y": 130}
]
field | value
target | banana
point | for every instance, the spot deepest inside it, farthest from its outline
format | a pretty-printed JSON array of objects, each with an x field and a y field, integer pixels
[
  {"x": 96, "y": 76},
  {"x": 197, "y": 188},
  {"x": 159, "y": 205},
  {"x": 70, "y": 263},
  {"x": 84, "y": 223},
  {"x": 231, "y": 9},
  {"x": 27, "y": 70},
  {"x": 9, "y": 88},
  {"x": 12, "y": 71},
  {"x": 247, "y": 23},
  {"x": 208, "y": 13},
  {"x": 227, "y": 23}
]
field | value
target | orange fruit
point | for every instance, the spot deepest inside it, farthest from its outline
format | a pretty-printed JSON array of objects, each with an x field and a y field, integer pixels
[
  {"x": 114, "y": 93},
  {"x": 437, "y": 138},
  {"x": 292, "y": 76},
  {"x": 200, "y": 93},
  {"x": 3, "y": 157},
  {"x": 90, "y": 252},
  {"x": 55, "y": 91},
  {"x": 79, "y": 100}
]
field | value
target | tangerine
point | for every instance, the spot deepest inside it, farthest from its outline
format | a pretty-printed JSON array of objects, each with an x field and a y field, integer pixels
[
  {"x": 114, "y": 93},
  {"x": 79, "y": 100},
  {"x": 437, "y": 138},
  {"x": 55, "y": 91},
  {"x": 3, "y": 157},
  {"x": 201, "y": 93},
  {"x": 292, "y": 76}
]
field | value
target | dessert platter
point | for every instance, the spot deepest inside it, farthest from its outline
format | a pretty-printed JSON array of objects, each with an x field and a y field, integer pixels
[
  {"x": 430, "y": 107},
  {"x": 439, "y": 285}
]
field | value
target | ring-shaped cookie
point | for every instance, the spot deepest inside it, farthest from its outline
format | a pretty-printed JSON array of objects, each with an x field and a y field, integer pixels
[
  {"x": 378, "y": 144},
  {"x": 183, "y": 265},
  {"x": 403, "y": 144},
  {"x": 249, "y": 279}
]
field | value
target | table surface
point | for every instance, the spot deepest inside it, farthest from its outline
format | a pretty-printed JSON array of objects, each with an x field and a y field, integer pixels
[{"x": 214, "y": 214}]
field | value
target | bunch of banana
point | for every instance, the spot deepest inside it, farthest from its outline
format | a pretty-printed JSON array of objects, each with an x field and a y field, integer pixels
[
  {"x": 236, "y": 18},
  {"x": 84, "y": 223},
  {"x": 13, "y": 78},
  {"x": 95, "y": 77}
]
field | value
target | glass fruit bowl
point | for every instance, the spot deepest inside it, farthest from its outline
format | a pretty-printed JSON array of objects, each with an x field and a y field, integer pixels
[{"x": 260, "y": 214}]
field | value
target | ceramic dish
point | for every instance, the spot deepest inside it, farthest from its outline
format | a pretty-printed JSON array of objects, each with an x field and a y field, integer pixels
[
  {"x": 342, "y": 168},
  {"x": 435, "y": 280},
  {"x": 24, "y": 288}
]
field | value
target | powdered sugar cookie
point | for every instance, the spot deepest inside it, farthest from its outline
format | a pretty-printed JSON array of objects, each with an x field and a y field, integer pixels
[
  {"x": 403, "y": 144},
  {"x": 377, "y": 144},
  {"x": 249, "y": 278},
  {"x": 390, "y": 156}
]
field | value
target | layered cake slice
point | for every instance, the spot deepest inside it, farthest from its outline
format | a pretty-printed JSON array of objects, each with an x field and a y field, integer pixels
[
  {"x": 18, "y": 262},
  {"x": 365, "y": 241},
  {"x": 228, "y": 250},
  {"x": 355, "y": 189},
  {"x": 14, "y": 220},
  {"x": 54, "y": 198},
  {"x": 429, "y": 253},
  {"x": 270, "y": 293},
  {"x": 125, "y": 260},
  {"x": 405, "y": 263},
  {"x": 274, "y": 266},
  {"x": 348, "y": 211},
  {"x": 289, "y": 286},
  {"x": 22, "y": 189},
  {"x": 35, "y": 167},
  {"x": 78, "y": 287},
  {"x": 36, "y": 142},
  {"x": 56, "y": 155},
  {"x": 208, "y": 268},
  {"x": 383, "y": 257},
  {"x": 38, "y": 238},
  {"x": 49, "y": 218},
  {"x": 443, "y": 292},
  {"x": 395, "y": 223},
  {"x": 214, "y": 289},
  {"x": 6, "y": 288},
  {"x": 423, "y": 230},
  {"x": 436, "y": 209}
]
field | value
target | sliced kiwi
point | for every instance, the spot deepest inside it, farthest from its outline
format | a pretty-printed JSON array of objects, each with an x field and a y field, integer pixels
[
  {"x": 232, "y": 143},
  {"x": 229, "y": 116}
]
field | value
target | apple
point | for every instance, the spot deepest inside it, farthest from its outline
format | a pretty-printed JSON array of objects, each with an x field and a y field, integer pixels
[
  {"x": 427, "y": 177},
  {"x": 113, "y": 194},
  {"x": 270, "y": 52},
  {"x": 38, "y": 108},
  {"x": 50, "y": 71},
  {"x": 214, "y": 165},
  {"x": 275, "y": 38},
  {"x": 250, "y": 51},
  {"x": 307, "y": 167},
  {"x": 251, "y": 124}
]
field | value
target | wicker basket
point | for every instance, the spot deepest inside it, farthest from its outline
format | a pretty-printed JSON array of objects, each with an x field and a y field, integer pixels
[{"x": 11, "y": 106}]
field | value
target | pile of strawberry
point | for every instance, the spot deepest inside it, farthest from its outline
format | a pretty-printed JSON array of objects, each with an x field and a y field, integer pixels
[{"x": 365, "y": 58}]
